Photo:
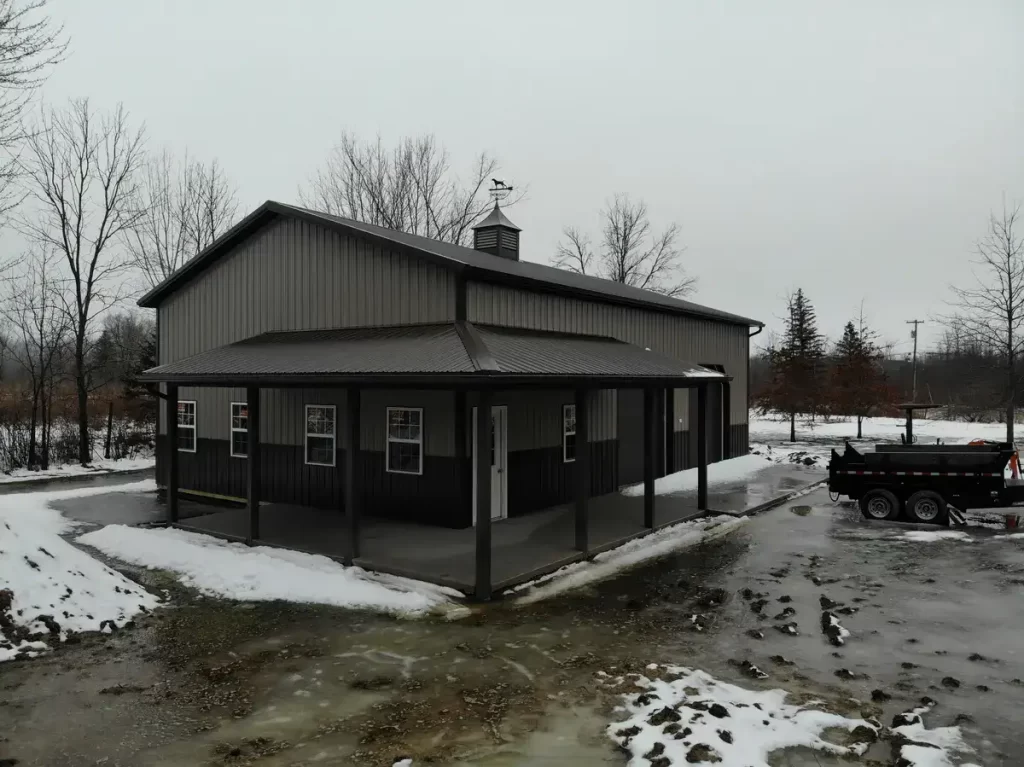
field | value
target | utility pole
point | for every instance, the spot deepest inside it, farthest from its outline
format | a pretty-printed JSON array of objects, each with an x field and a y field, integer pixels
[{"x": 913, "y": 334}]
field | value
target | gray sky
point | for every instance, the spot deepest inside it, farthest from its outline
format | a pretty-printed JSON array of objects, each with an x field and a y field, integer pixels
[{"x": 853, "y": 149}]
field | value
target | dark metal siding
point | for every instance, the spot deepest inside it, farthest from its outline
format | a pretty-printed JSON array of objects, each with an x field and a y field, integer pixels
[{"x": 681, "y": 337}]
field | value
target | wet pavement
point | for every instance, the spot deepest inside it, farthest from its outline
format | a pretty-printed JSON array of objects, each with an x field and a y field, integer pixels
[
  {"x": 209, "y": 682},
  {"x": 100, "y": 479}
]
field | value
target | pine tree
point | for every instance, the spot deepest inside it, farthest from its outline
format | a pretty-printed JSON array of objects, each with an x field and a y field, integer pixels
[
  {"x": 797, "y": 364},
  {"x": 858, "y": 381}
]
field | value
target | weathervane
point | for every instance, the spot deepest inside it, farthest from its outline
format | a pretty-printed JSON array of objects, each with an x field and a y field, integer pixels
[{"x": 500, "y": 190}]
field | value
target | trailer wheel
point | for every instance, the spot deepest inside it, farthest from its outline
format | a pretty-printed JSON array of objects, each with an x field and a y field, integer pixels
[
  {"x": 879, "y": 504},
  {"x": 926, "y": 506}
]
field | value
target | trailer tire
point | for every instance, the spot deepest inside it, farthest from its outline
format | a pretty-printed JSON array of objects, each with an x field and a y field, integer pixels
[
  {"x": 927, "y": 507},
  {"x": 880, "y": 504}
]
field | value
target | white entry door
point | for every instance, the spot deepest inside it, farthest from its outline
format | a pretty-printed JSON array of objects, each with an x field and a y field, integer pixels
[{"x": 499, "y": 462}]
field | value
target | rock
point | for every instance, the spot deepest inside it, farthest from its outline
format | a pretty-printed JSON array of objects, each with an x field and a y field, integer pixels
[
  {"x": 790, "y": 629},
  {"x": 718, "y": 711},
  {"x": 831, "y": 628},
  {"x": 864, "y": 734},
  {"x": 758, "y": 605},
  {"x": 781, "y": 660},
  {"x": 908, "y": 665},
  {"x": 845, "y": 673},
  {"x": 850, "y": 610},
  {"x": 634, "y": 604},
  {"x": 751, "y": 670},
  {"x": 785, "y": 599},
  {"x": 976, "y": 657},
  {"x": 982, "y": 688},
  {"x": 880, "y": 696},
  {"x": 747, "y": 593},
  {"x": 912, "y": 640},
  {"x": 826, "y": 603},
  {"x": 786, "y": 613},
  {"x": 951, "y": 682},
  {"x": 755, "y": 634},
  {"x": 627, "y": 734},
  {"x": 963, "y": 719},
  {"x": 725, "y": 735},
  {"x": 713, "y": 597},
  {"x": 663, "y": 716},
  {"x": 656, "y": 750},
  {"x": 702, "y": 753},
  {"x": 906, "y": 718}
]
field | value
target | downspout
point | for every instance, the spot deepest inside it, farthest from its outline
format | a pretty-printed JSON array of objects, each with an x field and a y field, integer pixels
[{"x": 760, "y": 329}]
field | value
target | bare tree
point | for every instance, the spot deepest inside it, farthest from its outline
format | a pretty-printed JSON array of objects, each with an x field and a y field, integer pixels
[
  {"x": 30, "y": 45},
  {"x": 81, "y": 170},
  {"x": 39, "y": 334},
  {"x": 631, "y": 251},
  {"x": 990, "y": 314},
  {"x": 410, "y": 187},
  {"x": 182, "y": 208}
]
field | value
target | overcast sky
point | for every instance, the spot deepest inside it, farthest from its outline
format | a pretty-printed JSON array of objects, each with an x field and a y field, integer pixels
[{"x": 853, "y": 149}]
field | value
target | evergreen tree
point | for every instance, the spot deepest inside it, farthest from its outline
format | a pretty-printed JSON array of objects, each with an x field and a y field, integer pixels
[
  {"x": 797, "y": 363},
  {"x": 858, "y": 381}
]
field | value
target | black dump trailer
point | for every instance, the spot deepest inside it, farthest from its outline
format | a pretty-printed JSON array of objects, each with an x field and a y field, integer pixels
[{"x": 925, "y": 483}]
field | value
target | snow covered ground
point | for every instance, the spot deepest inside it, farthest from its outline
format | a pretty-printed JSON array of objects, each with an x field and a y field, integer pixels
[
  {"x": 99, "y": 466},
  {"x": 679, "y": 716},
  {"x": 261, "y": 573},
  {"x": 732, "y": 470},
  {"x": 49, "y": 588},
  {"x": 635, "y": 552}
]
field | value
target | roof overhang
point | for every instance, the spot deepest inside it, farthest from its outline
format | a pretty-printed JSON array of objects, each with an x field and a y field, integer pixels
[{"x": 458, "y": 354}]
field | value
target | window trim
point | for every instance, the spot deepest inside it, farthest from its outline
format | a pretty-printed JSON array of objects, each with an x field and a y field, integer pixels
[
  {"x": 192, "y": 428},
  {"x": 566, "y": 433},
  {"x": 245, "y": 431},
  {"x": 333, "y": 437},
  {"x": 388, "y": 439}
]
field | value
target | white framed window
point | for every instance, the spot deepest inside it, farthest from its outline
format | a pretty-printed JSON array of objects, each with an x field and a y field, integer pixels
[
  {"x": 187, "y": 426},
  {"x": 405, "y": 440},
  {"x": 320, "y": 431},
  {"x": 568, "y": 433},
  {"x": 239, "y": 429}
]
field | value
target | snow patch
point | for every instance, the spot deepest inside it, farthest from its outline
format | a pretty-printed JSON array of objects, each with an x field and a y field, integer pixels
[
  {"x": 50, "y": 588},
  {"x": 933, "y": 536},
  {"x": 925, "y": 747},
  {"x": 689, "y": 717},
  {"x": 732, "y": 470},
  {"x": 262, "y": 573},
  {"x": 630, "y": 554}
]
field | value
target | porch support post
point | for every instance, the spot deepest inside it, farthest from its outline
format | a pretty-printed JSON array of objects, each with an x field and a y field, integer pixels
[
  {"x": 172, "y": 453},
  {"x": 650, "y": 452},
  {"x": 350, "y": 476},
  {"x": 702, "y": 446},
  {"x": 726, "y": 420},
  {"x": 252, "y": 409},
  {"x": 582, "y": 470},
  {"x": 483, "y": 495}
]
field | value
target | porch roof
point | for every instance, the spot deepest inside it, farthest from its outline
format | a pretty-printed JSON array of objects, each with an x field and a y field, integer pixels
[{"x": 436, "y": 354}]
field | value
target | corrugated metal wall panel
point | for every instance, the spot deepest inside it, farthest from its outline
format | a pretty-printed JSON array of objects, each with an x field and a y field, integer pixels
[
  {"x": 292, "y": 275},
  {"x": 686, "y": 338}
]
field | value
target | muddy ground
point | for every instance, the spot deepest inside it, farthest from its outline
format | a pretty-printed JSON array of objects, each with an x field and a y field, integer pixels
[{"x": 214, "y": 683}]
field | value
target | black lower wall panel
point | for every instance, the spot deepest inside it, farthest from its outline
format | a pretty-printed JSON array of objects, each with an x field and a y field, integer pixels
[
  {"x": 434, "y": 497},
  {"x": 540, "y": 479},
  {"x": 739, "y": 433}
]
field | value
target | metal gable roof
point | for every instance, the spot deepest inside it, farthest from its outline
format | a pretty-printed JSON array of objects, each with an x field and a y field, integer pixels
[
  {"x": 473, "y": 263},
  {"x": 451, "y": 351}
]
